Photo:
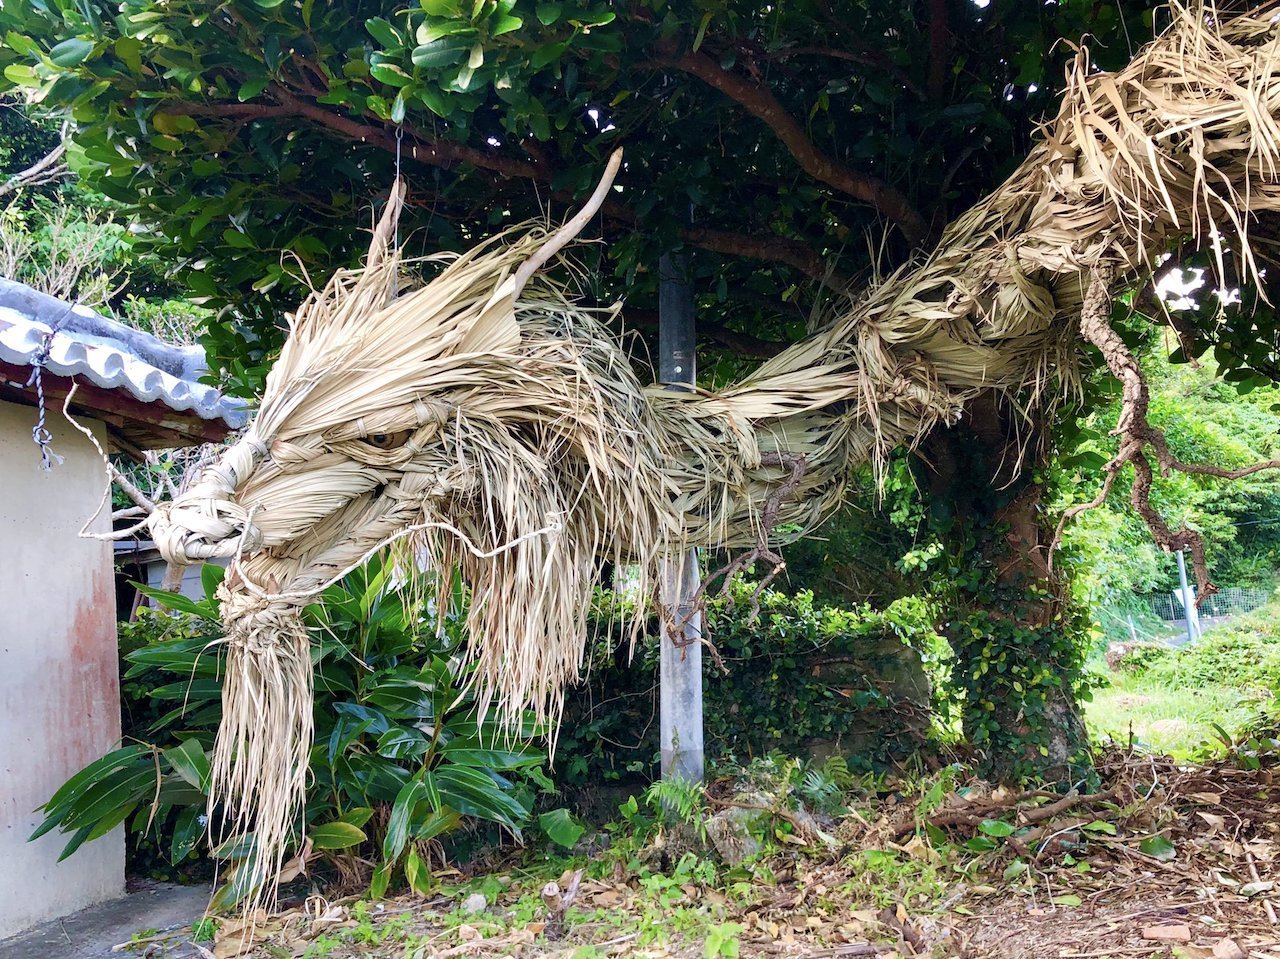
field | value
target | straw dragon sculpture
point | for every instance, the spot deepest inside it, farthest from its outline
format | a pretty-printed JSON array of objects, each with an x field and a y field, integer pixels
[{"x": 489, "y": 421}]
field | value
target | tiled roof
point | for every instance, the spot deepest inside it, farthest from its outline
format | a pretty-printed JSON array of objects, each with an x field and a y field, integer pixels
[{"x": 109, "y": 354}]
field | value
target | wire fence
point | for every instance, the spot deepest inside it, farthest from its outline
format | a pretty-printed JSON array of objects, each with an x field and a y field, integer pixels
[{"x": 1230, "y": 601}]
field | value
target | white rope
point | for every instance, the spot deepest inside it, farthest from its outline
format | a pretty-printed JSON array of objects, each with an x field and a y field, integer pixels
[{"x": 111, "y": 478}]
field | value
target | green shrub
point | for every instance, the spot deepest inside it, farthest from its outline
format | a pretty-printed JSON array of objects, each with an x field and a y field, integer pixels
[
  {"x": 1137, "y": 658},
  {"x": 1244, "y": 653},
  {"x": 400, "y": 757},
  {"x": 801, "y": 676}
]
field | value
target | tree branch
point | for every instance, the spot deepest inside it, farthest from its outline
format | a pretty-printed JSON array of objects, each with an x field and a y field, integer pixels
[
  {"x": 45, "y": 170},
  {"x": 1137, "y": 436},
  {"x": 775, "y": 249},
  {"x": 448, "y": 155},
  {"x": 760, "y": 102},
  {"x": 868, "y": 58}
]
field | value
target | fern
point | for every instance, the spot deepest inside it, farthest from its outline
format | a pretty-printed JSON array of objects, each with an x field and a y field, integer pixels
[{"x": 677, "y": 799}]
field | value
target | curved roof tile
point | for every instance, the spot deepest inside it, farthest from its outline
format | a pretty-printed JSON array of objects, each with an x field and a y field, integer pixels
[{"x": 109, "y": 354}]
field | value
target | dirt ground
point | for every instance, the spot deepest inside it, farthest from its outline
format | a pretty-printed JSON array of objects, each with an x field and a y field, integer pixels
[{"x": 1160, "y": 860}]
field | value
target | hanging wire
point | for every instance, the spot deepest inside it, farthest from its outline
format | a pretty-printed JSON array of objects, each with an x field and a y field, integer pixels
[
  {"x": 40, "y": 432},
  {"x": 395, "y": 281},
  {"x": 399, "y": 145}
]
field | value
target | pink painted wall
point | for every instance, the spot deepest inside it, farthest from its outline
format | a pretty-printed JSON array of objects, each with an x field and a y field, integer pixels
[{"x": 59, "y": 673}]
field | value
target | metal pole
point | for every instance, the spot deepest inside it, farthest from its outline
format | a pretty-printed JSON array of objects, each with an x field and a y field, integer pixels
[
  {"x": 680, "y": 668},
  {"x": 1188, "y": 601}
]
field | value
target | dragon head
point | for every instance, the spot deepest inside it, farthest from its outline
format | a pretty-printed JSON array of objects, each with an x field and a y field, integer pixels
[{"x": 483, "y": 422}]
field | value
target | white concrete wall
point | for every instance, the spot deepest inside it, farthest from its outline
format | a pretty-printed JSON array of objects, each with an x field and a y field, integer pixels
[
  {"x": 192, "y": 578},
  {"x": 59, "y": 673}
]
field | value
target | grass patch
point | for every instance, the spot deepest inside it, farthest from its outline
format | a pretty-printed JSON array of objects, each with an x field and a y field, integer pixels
[
  {"x": 1183, "y": 700},
  {"x": 1171, "y": 718}
]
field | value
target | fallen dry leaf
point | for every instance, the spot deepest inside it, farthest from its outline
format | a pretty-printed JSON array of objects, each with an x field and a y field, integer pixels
[
  {"x": 1179, "y": 932},
  {"x": 1228, "y": 949}
]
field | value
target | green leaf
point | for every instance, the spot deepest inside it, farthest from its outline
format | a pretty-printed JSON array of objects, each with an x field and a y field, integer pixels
[
  {"x": 495, "y": 759},
  {"x": 1100, "y": 826},
  {"x": 435, "y": 101},
  {"x": 702, "y": 31},
  {"x": 390, "y": 74},
  {"x": 24, "y": 75},
  {"x": 547, "y": 54},
  {"x": 357, "y": 816},
  {"x": 476, "y": 794},
  {"x": 187, "y": 830},
  {"x": 549, "y": 13},
  {"x": 403, "y": 698},
  {"x": 237, "y": 887},
  {"x": 336, "y": 835},
  {"x": 401, "y": 821},
  {"x": 178, "y": 602},
  {"x": 167, "y": 144},
  {"x": 75, "y": 788},
  {"x": 416, "y": 873},
  {"x": 71, "y": 52},
  {"x": 402, "y": 743},
  {"x": 1014, "y": 870},
  {"x": 1068, "y": 900},
  {"x": 21, "y": 45},
  {"x": 996, "y": 827},
  {"x": 442, "y": 8},
  {"x": 190, "y": 762},
  {"x": 429, "y": 33},
  {"x": 561, "y": 828},
  {"x": 384, "y": 33},
  {"x": 440, "y": 53},
  {"x": 506, "y": 23},
  {"x": 171, "y": 123},
  {"x": 1158, "y": 847},
  {"x": 380, "y": 881},
  {"x": 211, "y": 576},
  {"x": 240, "y": 241},
  {"x": 251, "y": 88}
]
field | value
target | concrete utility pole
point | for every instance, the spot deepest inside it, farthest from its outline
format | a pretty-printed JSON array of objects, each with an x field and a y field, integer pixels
[
  {"x": 680, "y": 672},
  {"x": 1188, "y": 601}
]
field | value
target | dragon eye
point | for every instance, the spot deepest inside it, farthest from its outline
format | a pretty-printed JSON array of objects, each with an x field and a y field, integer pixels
[{"x": 388, "y": 441}]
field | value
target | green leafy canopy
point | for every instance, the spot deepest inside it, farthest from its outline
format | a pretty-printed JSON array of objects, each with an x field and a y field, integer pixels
[{"x": 251, "y": 138}]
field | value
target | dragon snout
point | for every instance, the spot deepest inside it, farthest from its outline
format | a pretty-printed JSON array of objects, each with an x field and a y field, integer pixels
[
  {"x": 191, "y": 530},
  {"x": 206, "y": 522}
]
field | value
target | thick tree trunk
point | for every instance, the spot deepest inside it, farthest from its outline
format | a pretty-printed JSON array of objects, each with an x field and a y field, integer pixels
[{"x": 1016, "y": 638}]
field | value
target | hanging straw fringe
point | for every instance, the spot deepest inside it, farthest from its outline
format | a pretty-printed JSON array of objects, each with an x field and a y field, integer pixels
[{"x": 505, "y": 425}]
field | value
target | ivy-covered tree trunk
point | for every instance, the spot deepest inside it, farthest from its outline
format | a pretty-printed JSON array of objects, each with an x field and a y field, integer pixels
[{"x": 1018, "y": 640}]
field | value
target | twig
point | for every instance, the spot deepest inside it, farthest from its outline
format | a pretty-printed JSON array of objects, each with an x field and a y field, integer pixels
[
  {"x": 45, "y": 170},
  {"x": 1267, "y": 904},
  {"x": 769, "y": 517}
]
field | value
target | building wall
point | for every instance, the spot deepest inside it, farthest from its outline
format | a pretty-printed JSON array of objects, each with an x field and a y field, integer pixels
[{"x": 59, "y": 673}]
